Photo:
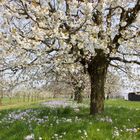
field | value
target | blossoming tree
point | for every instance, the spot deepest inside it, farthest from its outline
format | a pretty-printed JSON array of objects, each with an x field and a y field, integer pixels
[{"x": 95, "y": 33}]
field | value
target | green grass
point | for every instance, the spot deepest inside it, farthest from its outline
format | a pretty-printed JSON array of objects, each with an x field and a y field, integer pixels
[
  {"x": 123, "y": 103},
  {"x": 16, "y": 104},
  {"x": 19, "y": 103},
  {"x": 120, "y": 121}
]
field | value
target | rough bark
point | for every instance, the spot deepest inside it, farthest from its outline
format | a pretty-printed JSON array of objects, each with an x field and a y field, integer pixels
[
  {"x": 97, "y": 69},
  {"x": 78, "y": 95}
]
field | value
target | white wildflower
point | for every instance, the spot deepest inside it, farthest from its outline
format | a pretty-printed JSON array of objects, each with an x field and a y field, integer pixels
[
  {"x": 40, "y": 138},
  {"x": 79, "y": 131},
  {"x": 56, "y": 135},
  {"x": 29, "y": 137}
]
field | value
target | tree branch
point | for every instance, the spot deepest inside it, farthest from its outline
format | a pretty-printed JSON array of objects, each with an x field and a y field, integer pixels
[{"x": 124, "y": 60}]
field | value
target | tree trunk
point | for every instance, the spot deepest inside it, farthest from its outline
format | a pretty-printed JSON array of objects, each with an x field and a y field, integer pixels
[
  {"x": 1, "y": 98},
  {"x": 97, "y": 69},
  {"x": 107, "y": 97},
  {"x": 0, "y": 101},
  {"x": 80, "y": 98},
  {"x": 71, "y": 96},
  {"x": 10, "y": 100},
  {"x": 78, "y": 94}
]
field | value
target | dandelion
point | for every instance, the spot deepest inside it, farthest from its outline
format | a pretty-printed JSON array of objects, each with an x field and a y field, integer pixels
[
  {"x": 69, "y": 120},
  {"x": 90, "y": 123},
  {"x": 109, "y": 120},
  {"x": 56, "y": 135},
  {"x": 116, "y": 132},
  {"x": 76, "y": 109},
  {"x": 29, "y": 137},
  {"x": 57, "y": 121},
  {"x": 85, "y": 133},
  {"x": 60, "y": 136},
  {"x": 79, "y": 131},
  {"x": 106, "y": 119},
  {"x": 134, "y": 130},
  {"x": 40, "y": 138}
]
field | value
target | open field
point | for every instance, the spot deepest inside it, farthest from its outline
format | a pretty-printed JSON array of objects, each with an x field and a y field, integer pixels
[
  {"x": 120, "y": 121},
  {"x": 15, "y": 102},
  {"x": 19, "y": 103}
]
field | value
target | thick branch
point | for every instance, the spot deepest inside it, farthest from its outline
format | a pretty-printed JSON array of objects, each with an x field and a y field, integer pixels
[
  {"x": 128, "y": 16},
  {"x": 129, "y": 54},
  {"x": 124, "y": 60}
]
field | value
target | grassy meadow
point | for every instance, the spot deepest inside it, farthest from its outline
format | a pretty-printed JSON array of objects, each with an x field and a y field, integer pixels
[{"x": 120, "y": 121}]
